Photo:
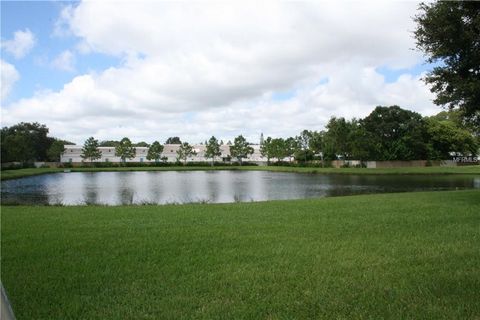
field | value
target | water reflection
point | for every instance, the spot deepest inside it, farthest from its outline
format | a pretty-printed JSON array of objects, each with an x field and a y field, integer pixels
[
  {"x": 90, "y": 192},
  {"x": 115, "y": 188}
]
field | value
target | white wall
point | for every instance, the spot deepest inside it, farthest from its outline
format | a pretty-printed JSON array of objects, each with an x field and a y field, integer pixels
[{"x": 73, "y": 154}]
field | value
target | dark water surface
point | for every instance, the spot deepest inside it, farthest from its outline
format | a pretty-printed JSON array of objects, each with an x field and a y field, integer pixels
[{"x": 114, "y": 188}]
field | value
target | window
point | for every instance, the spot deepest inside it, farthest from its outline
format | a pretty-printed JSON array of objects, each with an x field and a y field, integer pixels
[
  {"x": 70, "y": 160},
  {"x": 106, "y": 159},
  {"x": 141, "y": 159}
]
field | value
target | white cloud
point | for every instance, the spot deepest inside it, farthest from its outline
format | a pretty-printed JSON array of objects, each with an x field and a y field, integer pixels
[
  {"x": 64, "y": 61},
  {"x": 21, "y": 44},
  {"x": 199, "y": 69},
  {"x": 9, "y": 75},
  {"x": 61, "y": 27}
]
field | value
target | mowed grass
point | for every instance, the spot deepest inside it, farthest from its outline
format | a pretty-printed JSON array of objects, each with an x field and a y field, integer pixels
[
  {"x": 473, "y": 170},
  {"x": 396, "y": 256}
]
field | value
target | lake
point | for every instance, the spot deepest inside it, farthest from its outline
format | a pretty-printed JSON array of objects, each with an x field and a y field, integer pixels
[{"x": 163, "y": 187}]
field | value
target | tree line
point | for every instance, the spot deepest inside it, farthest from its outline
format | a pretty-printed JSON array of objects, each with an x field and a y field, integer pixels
[{"x": 387, "y": 133}]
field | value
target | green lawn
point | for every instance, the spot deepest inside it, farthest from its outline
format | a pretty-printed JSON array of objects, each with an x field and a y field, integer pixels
[
  {"x": 13, "y": 174},
  {"x": 400, "y": 256}
]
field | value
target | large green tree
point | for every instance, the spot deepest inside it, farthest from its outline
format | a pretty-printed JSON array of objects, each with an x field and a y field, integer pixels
[
  {"x": 303, "y": 152},
  {"x": 34, "y": 142},
  {"x": 17, "y": 147},
  {"x": 339, "y": 137},
  {"x": 155, "y": 151},
  {"x": 90, "y": 150},
  {"x": 306, "y": 145},
  {"x": 393, "y": 133},
  {"x": 212, "y": 149},
  {"x": 448, "y": 32},
  {"x": 184, "y": 151},
  {"x": 240, "y": 149},
  {"x": 447, "y": 139},
  {"x": 362, "y": 145},
  {"x": 278, "y": 149},
  {"x": 455, "y": 116},
  {"x": 316, "y": 142},
  {"x": 125, "y": 150}
]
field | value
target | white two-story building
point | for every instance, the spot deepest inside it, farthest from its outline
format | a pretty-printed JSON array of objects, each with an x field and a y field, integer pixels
[{"x": 73, "y": 154}]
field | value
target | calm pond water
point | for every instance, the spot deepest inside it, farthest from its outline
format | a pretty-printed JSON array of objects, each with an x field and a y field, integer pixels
[{"x": 113, "y": 188}]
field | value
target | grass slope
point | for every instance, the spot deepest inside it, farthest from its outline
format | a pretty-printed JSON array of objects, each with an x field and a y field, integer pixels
[
  {"x": 14, "y": 174},
  {"x": 402, "y": 256}
]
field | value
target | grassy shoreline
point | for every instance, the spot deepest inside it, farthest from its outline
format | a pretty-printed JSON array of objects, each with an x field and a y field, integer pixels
[
  {"x": 408, "y": 255},
  {"x": 20, "y": 173}
]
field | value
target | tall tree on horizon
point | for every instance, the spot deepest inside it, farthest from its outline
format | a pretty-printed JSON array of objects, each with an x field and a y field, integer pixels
[
  {"x": 394, "y": 133},
  {"x": 240, "y": 149},
  {"x": 155, "y": 151},
  {"x": 212, "y": 149},
  {"x": 339, "y": 137},
  {"x": 265, "y": 148},
  {"x": 125, "y": 150},
  {"x": 90, "y": 150},
  {"x": 446, "y": 138},
  {"x": 184, "y": 151},
  {"x": 303, "y": 145},
  {"x": 278, "y": 149},
  {"x": 290, "y": 147}
]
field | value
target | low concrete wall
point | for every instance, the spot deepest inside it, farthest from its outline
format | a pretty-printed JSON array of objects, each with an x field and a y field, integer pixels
[
  {"x": 413, "y": 163},
  {"x": 396, "y": 164},
  {"x": 46, "y": 164},
  {"x": 342, "y": 163},
  {"x": 10, "y": 164}
]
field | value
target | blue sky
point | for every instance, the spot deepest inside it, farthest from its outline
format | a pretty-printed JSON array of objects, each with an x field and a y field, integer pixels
[
  {"x": 149, "y": 69},
  {"x": 37, "y": 72}
]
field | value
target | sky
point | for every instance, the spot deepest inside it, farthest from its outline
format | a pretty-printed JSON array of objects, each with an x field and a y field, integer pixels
[{"x": 149, "y": 70}]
